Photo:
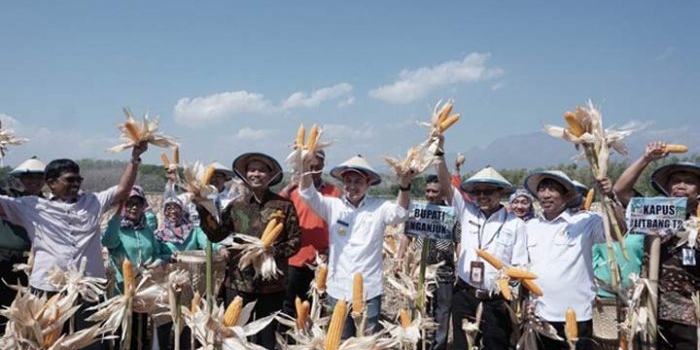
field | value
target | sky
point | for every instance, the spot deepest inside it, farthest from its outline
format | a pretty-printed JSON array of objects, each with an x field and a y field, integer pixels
[{"x": 228, "y": 77}]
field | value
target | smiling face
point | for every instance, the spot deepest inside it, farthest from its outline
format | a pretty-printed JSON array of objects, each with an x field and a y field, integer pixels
[
  {"x": 520, "y": 206},
  {"x": 66, "y": 186},
  {"x": 355, "y": 185},
  {"x": 432, "y": 193},
  {"x": 219, "y": 180},
  {"x": 487, "y": 197},
  {"x": 550, "y": 194},
  {"x": 172, "y": 211},
  {"x": 316, "y": 166},
  {"x": 684, "y": 184},
  {"x": 257, "y": 174}
]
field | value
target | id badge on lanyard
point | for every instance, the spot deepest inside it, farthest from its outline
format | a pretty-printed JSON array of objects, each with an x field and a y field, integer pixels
[{"x": 476, "y": 272}]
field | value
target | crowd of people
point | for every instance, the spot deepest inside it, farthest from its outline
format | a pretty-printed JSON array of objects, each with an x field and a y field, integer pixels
[{"x": 345, "y": 228}]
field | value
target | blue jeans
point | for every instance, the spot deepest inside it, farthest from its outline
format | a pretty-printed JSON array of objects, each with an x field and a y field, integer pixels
[{"x": 372, "y": 325}]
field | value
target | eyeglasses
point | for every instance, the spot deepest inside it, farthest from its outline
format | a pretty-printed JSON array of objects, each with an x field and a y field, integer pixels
[
  {"x": 486, "y": 192},
  {"x": 72, "y": 179},
  {"x": 133, "y": 204},
  {"x": 171, "y": 208}
]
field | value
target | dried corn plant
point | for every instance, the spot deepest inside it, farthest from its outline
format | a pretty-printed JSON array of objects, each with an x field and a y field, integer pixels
[
  {"x": 533, "y": 328},
  {"x": 132, "y": 133},
  {"x": 257, "y": 252},
  {"x": 641, "y": 317},
  {"x": 8, "y": 138},
  {"x": 303, "y": 148},
  {"x": 585, "y": 129},
  {"x": 508, "y": 273},
  {"x": 74, "y": 280},
  {"x": 407, "y": 332},
  {"x": 471, "y": 329},
  {"x": 224, "y": 328},
  {"x": 441, "y": 119}
]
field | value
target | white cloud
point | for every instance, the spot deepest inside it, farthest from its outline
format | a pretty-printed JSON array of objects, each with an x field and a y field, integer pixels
[
  {"x": 229, "y": 105},
  {"x": 497, "y": 86},
  {"x": 219, "y": 107},
  {"x": 668, "y": 52},
  {"x": 414, "y": 84},
  {"x": 348, "y": 132},
  {"x": 346, "y": 102},
  {"x": 315, "y": 98},
  {"x": 250, "y": 134}
]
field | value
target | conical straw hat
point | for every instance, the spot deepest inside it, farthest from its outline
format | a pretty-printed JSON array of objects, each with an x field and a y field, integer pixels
[
  {"x": 357, "y": 163},
  {"x": 488, "y": 176}
]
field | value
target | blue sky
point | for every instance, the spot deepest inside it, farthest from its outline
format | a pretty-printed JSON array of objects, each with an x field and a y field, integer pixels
[{"x": 229, "y": 77}]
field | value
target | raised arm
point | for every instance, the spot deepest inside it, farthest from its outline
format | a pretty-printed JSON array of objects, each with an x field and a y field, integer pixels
[
  {"x": 126, "y": 182},
  {"x": 442, "y": 172},
  {"x": 624, "y": 187}
]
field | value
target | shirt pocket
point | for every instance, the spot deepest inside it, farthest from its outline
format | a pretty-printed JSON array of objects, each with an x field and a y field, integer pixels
[{"x": 566, "y": 246}]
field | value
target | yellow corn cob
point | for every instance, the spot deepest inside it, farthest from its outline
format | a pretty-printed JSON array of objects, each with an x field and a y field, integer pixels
[
  {"x": 176, "y": 155},
  {"x": 270, "y": 225},
  {"x": 589, "y": 199},
  {"x": 574, "y": 126},
  {"x": 505, "y": 288},
  {"x": 444, "y": 111},
  {"x": 195, "y": 302},
  {"x": 311, "y": 144},
  {"x": 451, "y": 120},
  {"x": 404, "y": 318},
  {"x": 672, "y": 148},
  {"x": 335, "y": 326},
  {"x": 570, "y": 327},
  {"x": 299, "y": 143},
  {"x": 490, "y": 258},
  {"x": 321, "y": 277},
  {"x": 208, "y": 175},
  {"x": 51, "y": 337},
  {"x": 513, "y": 272},
  {"x": 233, "y": 311},
  {"x": 534, "y": 288},
  {"x": 128, "y": 274},
  {"x": 164, "y": 159},
  {"x": 133, "y": 130},
  {"x": 358, "y": 295},
  {"x": 269, "y": 237}
]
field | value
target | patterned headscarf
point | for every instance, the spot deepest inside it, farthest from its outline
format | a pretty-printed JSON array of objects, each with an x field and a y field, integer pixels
[{"x": 170, "y": 231}]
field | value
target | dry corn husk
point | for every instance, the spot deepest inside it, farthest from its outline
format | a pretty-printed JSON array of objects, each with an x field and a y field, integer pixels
[
  {"x": 417, "y": 160},
  {"x": 7, "y": 138},
  {"x": 133, "y": 133}
]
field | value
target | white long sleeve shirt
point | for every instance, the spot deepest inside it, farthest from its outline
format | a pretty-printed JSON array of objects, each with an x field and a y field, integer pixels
[
  {"x": 502, "y": 234},
  {"x": 561, "y": 255},
  {"x": 356, "y": 240}
]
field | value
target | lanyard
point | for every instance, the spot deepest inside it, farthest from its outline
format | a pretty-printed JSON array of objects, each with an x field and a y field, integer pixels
[{"x": 498, "y": 232}]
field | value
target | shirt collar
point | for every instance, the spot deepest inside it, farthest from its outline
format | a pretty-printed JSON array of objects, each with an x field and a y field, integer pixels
[
  {"x": 348, "y": 203},
  {"x": 565, "y": 215},
  {"x": 250, "y": 197},
  {"x": 52, "y": 197}
]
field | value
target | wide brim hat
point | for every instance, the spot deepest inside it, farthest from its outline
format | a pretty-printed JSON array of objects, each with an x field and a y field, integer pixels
[
  {"x": 487, "y": 176},
  {"x": 659, "y": 179},
  {"x": 580, "y": 188},
  {"x": 241, "y": 163},
  {"x": 533, "y": 180},
  {"x": 29, "y": 166},
  {"x": 218, "y": 167},
  {"x": 357, "y": 163}
]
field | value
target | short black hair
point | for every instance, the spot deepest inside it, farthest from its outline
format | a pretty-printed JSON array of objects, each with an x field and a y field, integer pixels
[
  {"x": 57, "y": 167},
  {"x": 431, "y": 179}
]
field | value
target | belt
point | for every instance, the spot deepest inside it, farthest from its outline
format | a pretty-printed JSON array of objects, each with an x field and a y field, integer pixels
[{"x": 480, "y": 294}]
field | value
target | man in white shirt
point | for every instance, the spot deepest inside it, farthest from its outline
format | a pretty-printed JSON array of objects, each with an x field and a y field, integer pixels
[
  {"x": 559, "y": 243},
  {"x": 487, "y": 225},
  {"x": 356, "y": 224},
  {"x": 66, "y": 227}
]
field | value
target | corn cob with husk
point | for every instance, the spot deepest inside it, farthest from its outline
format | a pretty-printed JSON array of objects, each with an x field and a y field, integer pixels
[
  {"x": 675, "y": 148},
  {"x": 442, "y": 118},
  {"x": 7, "y": 137},
  {"x": 417, "y": 161},
  {"x": 302, "y": 310},
  {"x": 256, "y": 251},
  {"x": 321, "y": 277},
  {"x": 305, "y": 148},
  {"x": 134, "y": 133},
  {"x": 335, "y": 326},
  {"x": 526, "y": 277},
  {"x": 233, "y": 311},
  {"x": 358, "y": 297}
]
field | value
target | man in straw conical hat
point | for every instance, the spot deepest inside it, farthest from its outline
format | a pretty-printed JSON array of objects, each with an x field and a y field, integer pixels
[
  {"x": 356, "y": 224},
  {"x": 486, "y": 225},
  {"x": 249, "y": 214},
  {"x": 679, "y": 272},
  {"x": 559, "y": 243},
  {"x": 14, "y": 242}
]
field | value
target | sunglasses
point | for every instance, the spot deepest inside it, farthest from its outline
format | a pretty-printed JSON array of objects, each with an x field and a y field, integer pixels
[
  {"x": 72, "y": 179},
  {"x": 486, "y": 192},
  {"x": 133, "y": 204}
]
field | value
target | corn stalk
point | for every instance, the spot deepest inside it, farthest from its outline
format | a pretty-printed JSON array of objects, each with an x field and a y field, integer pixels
[{"x": 420, "y": 302}]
